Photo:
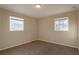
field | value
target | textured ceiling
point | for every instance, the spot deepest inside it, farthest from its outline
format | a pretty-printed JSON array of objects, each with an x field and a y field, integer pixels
[{"x": 45, "y": 10}]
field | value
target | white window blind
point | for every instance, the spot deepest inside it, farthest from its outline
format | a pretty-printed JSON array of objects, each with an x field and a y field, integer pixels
[
  {"x": 16, "y": 24},
  {"x": 61, "y": 24}
]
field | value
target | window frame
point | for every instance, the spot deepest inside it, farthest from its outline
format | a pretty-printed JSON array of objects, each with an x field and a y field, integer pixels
[
  {"x": 60, "y": 19},
  {"x": 16, "y": 19}
]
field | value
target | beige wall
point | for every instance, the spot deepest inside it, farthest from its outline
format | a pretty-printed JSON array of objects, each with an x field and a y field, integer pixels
[
  {"x": 41, "y": 29},
  {"x": 47, "y": 33},
  {"x": 10, "y": 39},
  {"x": 78, "y": 30}
]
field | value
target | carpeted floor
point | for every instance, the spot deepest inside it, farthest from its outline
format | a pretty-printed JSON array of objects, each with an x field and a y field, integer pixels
[{"x": 40, "y": 48}]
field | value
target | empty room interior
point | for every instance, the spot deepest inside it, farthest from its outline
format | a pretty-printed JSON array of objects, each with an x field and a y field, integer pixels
[{"x": 39, "y": 29}]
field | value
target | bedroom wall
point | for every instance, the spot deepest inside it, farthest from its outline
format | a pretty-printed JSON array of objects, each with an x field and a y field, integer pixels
[
  {"x": 38, "y": 29},
  {"x": 47, "y": 33},
  {"x": 10, "y": 39},
  {"x": 78, "y": 30}
]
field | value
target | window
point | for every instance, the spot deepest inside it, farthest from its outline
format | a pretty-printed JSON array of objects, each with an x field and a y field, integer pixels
[
  {"x": 61, "y": 24},
  {"x": 16, "y": 24}
]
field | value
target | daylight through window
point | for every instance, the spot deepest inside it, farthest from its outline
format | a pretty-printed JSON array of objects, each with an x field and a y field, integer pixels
[
  {"x": 16, "y": 24},
  {"x": 61, "y": 24}
]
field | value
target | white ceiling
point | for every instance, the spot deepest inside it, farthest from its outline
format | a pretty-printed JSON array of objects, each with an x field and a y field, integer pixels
[{"x": 45, "y": 10}]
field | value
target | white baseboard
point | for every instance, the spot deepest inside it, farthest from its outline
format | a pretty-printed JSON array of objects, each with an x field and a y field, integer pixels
[
  {"x": 58, "y": 43},
  {"x": 15, "y": 45},
  {"x": 34, "y": 40}
]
